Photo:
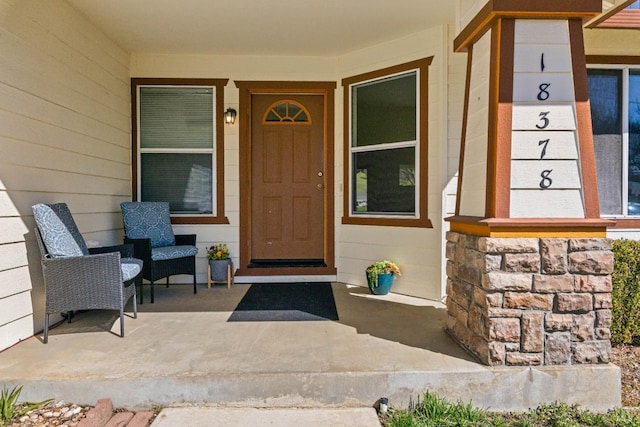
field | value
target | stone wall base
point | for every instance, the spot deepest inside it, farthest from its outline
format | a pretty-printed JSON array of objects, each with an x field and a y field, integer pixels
[{"x": 530, "y": 301}]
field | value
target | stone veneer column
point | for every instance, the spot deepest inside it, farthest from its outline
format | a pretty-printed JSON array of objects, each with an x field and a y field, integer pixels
[{"x": 530, "y": 301}]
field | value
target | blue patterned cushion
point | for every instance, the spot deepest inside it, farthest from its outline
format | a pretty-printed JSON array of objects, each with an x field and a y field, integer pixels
[
  {"x": 173, "y": 252},
  {"x": 59, "y": 231},
  {"x": 148, "y": 220},
  {"x": 130, "y": 267}
]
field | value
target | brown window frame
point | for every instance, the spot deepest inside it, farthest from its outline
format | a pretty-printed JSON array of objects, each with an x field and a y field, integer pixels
[
  {"x": 219, "y": 84},
  {"x": 421, "y": 219},
  {"x": 593, "y": 61}
]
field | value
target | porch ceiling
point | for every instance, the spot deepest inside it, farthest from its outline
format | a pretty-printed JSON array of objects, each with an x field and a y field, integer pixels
[{"x": 245, "y": 27}]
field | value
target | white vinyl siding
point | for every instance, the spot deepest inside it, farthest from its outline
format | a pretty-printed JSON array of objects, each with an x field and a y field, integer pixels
[
  {"x": 65, "y": 120},
  {"x": 474, "y": 179},
  {"x": 416, "y": 250}
]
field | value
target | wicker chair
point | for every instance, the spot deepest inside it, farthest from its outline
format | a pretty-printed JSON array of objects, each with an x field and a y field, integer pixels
[
  {"x": 78, "y": 278},
  {"x": 147, "y": 225}
]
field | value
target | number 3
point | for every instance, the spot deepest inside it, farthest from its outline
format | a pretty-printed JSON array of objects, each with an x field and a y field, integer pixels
[{"x": 545, "y": 121}]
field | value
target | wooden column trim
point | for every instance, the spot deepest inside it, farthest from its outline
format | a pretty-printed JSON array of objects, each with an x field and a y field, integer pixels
[
  {"x": 465, "y": 121},
  {"x": 500, "y": 119},
  {"x": 518, "y": 9},
  {"x": 530, "y": 227},
  {"x": 583, "y": 121},
  {"x": 500, "y": 16}
]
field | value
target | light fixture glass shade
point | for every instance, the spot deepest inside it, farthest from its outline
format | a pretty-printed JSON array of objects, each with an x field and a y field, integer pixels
[{"x": 230, "y": 116}]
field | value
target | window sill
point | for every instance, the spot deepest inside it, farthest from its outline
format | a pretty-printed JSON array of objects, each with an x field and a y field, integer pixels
[
  {"x": 199, "y": 220},
  {"x": 388, "y": 222}
]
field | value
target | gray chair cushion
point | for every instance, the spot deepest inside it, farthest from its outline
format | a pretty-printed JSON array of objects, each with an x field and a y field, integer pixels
[
  {"x": 173, "y": 252},
  {"x": 59, "y": 231},
  {"x": 148, "y": 220},
  {"x": 130, "y": 267}
]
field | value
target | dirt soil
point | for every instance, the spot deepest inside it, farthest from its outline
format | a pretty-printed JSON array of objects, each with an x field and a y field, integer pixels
[{"x": 628, "y": 359}]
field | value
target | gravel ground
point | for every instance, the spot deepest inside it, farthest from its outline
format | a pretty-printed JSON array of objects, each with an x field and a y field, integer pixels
[
  {"x": 62, "y": 414},
  {"x": 628, "y": 359},
  {"x": 52, "y": 414},
  {"x": 57, "y": 413}
]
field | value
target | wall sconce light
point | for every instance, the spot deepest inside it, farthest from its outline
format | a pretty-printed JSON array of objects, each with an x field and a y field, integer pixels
[{"x": 230, "y": 116}]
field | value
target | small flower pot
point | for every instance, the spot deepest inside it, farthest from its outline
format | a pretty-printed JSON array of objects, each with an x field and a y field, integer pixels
[
  {"x": 385, "y": 281},
  {"x": 220, "y": 270}
]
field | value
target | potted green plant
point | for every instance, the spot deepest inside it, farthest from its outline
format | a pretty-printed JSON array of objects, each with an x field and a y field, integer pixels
[
  {"x": 380, "y": 276},
  {"x": 220, "y": 264}
]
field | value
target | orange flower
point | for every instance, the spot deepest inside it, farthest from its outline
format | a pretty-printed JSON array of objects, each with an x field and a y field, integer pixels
[{"x": 218, "y": 251}]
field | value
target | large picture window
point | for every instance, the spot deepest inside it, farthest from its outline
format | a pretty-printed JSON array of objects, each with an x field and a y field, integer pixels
[
  {"x": 614, "y": 93},
  {"x": 386, "y": 146},
  {"x": 178, "y": 146}
]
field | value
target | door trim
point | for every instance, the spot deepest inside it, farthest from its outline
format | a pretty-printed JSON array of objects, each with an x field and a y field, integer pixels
[{"x": 246, "y": 90}]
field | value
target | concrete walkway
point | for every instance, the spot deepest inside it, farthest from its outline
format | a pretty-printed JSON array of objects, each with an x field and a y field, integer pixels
[
  {"x": 182, "y": 350},
  {"x": 284, "y": 417},
  {"x": 103, "y": 415}
]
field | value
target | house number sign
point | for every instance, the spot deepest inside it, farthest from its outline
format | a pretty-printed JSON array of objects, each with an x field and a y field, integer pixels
[{"x": 545, "y": 174}]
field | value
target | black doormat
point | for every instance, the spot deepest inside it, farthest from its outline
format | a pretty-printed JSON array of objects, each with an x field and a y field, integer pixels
[{"x": 286, "y": 302}]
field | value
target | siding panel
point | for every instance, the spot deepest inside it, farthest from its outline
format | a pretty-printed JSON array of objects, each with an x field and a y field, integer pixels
[
  {"x": 14, "y": 281},
  {"x": 50, "y": 158},
  {"x": 34, "y": 78},
  {"x": 51, "y": 181},
  {"x": 17, "y": 126},
  {"x": 28, "y": 105},
  {"x": 22, "y": 327},
  {"x": 15, "y": 307}
]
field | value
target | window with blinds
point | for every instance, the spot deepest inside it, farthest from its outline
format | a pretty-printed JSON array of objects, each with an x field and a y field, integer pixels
[{"x": 176, "y": 137}]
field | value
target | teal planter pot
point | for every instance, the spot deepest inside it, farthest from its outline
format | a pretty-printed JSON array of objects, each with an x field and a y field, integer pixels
[{"x": 385, "y": 281}]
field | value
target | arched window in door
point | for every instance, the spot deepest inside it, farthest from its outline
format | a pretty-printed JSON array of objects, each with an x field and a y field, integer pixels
[{"x": 286, "y": 111}]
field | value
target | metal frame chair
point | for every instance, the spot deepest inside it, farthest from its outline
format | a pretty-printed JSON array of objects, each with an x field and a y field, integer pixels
[{"x": 147, "y": 226}]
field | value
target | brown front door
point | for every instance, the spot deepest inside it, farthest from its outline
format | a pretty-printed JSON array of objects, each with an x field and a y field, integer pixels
[{"x": 287, "y": 179}]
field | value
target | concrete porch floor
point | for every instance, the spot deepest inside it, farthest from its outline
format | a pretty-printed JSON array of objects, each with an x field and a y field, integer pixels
[{"x": 181, "y": 350}]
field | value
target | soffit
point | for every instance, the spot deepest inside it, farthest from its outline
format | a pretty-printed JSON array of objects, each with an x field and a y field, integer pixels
[{"x": 255, "y": 27}]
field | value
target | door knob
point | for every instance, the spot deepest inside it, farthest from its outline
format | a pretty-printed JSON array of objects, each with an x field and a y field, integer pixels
[{"x": 319, "y": 186}]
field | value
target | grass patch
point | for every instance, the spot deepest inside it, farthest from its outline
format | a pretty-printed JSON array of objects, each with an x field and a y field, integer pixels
[{"x": 433, "y": 411}]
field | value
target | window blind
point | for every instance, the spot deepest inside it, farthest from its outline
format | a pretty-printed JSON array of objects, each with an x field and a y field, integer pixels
[{"x": 176, "y": 117}]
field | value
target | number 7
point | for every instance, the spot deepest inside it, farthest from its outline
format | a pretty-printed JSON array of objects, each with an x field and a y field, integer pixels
[{"x": 544, "y": 143}]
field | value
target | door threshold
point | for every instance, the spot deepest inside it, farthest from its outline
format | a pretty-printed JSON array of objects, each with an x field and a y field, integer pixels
[
  {"x": 283, "y": 263},
  {"x": 285, "y": 279}
]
